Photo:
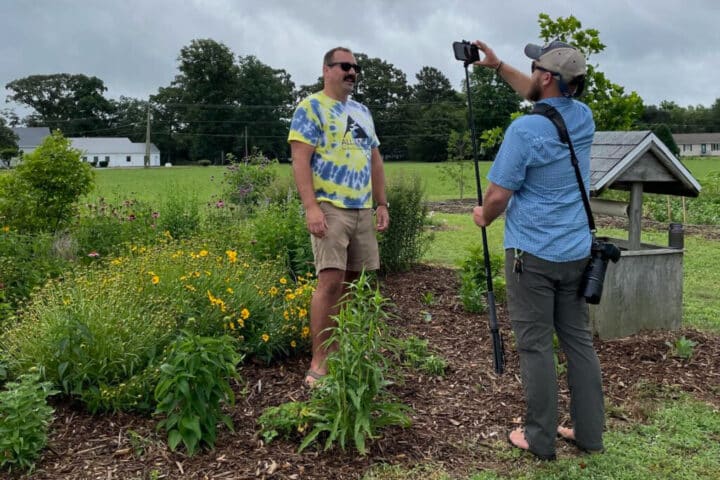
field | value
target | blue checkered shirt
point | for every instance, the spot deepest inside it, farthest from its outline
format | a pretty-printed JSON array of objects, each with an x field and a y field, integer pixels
[{"x": 545, "y": 215}]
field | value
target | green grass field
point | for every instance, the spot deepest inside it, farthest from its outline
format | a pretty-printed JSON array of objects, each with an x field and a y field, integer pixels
[{"x": 205, "y": 182}]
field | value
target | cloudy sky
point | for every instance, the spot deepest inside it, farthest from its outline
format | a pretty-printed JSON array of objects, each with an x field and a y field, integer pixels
[{"x": 662, "y": 49}]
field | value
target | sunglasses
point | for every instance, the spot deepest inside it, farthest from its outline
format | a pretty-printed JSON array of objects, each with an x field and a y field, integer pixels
[
  {"x": 534, "y": 67},
  {"x": 346, "y": 66}
]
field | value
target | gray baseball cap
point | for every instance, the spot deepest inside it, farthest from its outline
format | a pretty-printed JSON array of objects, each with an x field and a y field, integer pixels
[{"x": 558, "y": 57}]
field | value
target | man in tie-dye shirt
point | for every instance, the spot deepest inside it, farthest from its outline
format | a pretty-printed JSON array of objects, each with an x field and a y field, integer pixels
[{"x": 339, "y": 175}]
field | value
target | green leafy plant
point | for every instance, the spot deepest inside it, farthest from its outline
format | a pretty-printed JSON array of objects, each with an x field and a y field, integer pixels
[
  {"x": 428, "y": 298},
  {"x": 405, "y": 240},
  {"x": 247, "y": 183},
  {"x": 180, "y": 214},
  {"x": 279, "y": 231},
  {"x": 24, "y": 421},
  {"x": 192, "y": 388},
  {"x": 682, "y": 348},
  {"x": 352, "y": 401},
  {"x": 26, "y": 263},
  {"x": 41, "y": 193},
  {"x": 413, "y": 352},
  {"x": 473, "y": 282},
  {"x": 285, "y": 419},
  {"x": 560, "y": 365}
]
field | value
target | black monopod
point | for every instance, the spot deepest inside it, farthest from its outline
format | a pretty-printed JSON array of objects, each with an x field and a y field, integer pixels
[{"x": 468, "y": 53}]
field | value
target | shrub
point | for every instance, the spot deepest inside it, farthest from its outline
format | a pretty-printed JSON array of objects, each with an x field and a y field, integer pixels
[
  {"x": 179, "y": 215},
  {"x": 413, "y": 352},
  {"x": 26, "y": 263},
  {"x": 682, "y": 348},
  {"x": 106, "y": 229},
  {"x": 473, "y": 280},
  {"x": 193, "y": 385},
  {"x": 24, "y": 421},
  {"x": 89, "y": 330},
  {"x": 404, "y": 242},
  {"x": 248, "y": 183},
  {"x": 279, "y": 231},
  {"x": 41, "y": 193},
  {"x": 204, "y": 162}
]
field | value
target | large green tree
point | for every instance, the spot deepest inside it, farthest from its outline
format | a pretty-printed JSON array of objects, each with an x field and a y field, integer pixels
[
  {"x": 266, "y": 99},
  {"x": 383, "y": 88},
  {"x": 434, "y": 110},
  {"x": 73, "y": 104},
  {"x": 129, "y": 118},
  {"x": 613, "y": 109},
  {"x": 197, "y": 112}
]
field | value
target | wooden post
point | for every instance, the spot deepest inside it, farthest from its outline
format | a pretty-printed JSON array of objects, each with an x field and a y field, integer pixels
[
  {"x": 684, "y": 211},
  {"x": 669, "y": 208},
  {"x": 635, "y": 215},
  {"x": 146, "y": 162}
]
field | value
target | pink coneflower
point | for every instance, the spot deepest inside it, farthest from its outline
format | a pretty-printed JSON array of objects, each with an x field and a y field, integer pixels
[
  {"x": 93, "y": 254},
  {"x": 219, "y": 204},
  {"x": 155, "y": 214},
  {"x": 131, "y": 217}
]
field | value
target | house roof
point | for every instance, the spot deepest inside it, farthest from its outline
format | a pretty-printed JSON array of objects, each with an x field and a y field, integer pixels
[
  {"x": 696, "y": 138},
  {"x": 110, "y": 145},
  {"x": 30, "y": 137},
  {"x": 619, "y": 159}
]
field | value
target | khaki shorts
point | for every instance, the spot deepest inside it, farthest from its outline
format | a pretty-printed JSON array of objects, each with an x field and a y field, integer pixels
[{"x": 349, "y": 243}]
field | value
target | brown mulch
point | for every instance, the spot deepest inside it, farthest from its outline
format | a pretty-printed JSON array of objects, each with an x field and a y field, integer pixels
[{"x": 459, "y": 421}]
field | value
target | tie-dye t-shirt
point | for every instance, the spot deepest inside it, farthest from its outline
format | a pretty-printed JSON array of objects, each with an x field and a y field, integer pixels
[{"x": 343, "y": 135}]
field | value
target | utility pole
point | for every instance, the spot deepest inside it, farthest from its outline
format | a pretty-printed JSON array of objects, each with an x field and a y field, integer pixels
[{"x": 146, "y": 163}]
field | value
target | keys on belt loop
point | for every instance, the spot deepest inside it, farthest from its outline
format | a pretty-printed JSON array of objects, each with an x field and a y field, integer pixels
[{"x": 518, "y": 262}]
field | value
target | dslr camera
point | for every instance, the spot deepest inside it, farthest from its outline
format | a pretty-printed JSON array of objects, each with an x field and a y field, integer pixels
[
  {"x": 466, "y": 52},
  {"x": 594, "y": 276}
]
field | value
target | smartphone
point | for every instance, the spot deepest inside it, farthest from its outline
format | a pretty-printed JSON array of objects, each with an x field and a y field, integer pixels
[{"x": 466, "y": 51}]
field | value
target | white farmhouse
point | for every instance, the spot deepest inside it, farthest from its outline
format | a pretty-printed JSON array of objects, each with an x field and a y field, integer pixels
[
  {"x": 698, "y": 144},
  {"x": 114, "y": 152}
]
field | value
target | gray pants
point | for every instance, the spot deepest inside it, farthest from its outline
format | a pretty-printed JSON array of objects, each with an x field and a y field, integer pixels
[{"x": 543, "y": 298}]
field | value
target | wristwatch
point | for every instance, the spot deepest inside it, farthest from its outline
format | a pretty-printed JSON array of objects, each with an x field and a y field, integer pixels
[{"x": 383, "y": 204}]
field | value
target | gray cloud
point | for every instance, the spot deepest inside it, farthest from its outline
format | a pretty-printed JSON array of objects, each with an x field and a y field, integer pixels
[{"x": 663, "y": 49}]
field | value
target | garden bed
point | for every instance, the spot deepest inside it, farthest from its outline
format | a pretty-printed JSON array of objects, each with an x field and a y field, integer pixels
[{"x": 459, "y": 421}]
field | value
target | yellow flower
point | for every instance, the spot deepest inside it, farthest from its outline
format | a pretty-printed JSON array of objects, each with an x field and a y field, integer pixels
[
  {"x": 155, "y": 280},
  {"x": 116, "y": 261},
  {"x": 305, "y": 332},
  {"x": 273, "y": 291},
  {"x": 190, "y": 287},
  {"x": 245, "y": 314},
  {"x": 203, "y": 253},
  {"x": 290, "y": 296},
  {"x": 302, "y": 313},
  {"x": 232, "y": 255},
  {"x": 6, "y": 228},
  {"x": 286, "y": 315},
  {"x": 293, "y": 344},
  {"x": 230, "y": 290},
  {"x": 232, "y": 326},
  {"x": 241, "y": 323},
  {"x": 283, "y": 280},
  {"x": 265, "y": 337}
]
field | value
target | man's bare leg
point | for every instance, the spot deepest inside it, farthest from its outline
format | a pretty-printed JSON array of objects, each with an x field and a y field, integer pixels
[{"x": 331, "y": 286}]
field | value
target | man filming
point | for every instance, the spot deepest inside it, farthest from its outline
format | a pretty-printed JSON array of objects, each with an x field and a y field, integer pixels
[{"x": 547, "y": 246}]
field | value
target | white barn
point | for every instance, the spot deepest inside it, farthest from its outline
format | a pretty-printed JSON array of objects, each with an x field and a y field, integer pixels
[
  {"x": 29, "y": 138},
  {"x": 114, "y": 152}
]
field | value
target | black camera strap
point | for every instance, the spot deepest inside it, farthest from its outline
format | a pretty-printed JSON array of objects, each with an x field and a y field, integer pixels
[{"x": 551, "y": 113}]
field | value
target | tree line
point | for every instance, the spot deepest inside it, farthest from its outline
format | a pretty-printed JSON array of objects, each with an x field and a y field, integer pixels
[{"x": 219, "y": 103}]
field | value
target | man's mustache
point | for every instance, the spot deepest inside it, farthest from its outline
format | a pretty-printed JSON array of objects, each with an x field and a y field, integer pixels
[{"x": 350, "y": 77}]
